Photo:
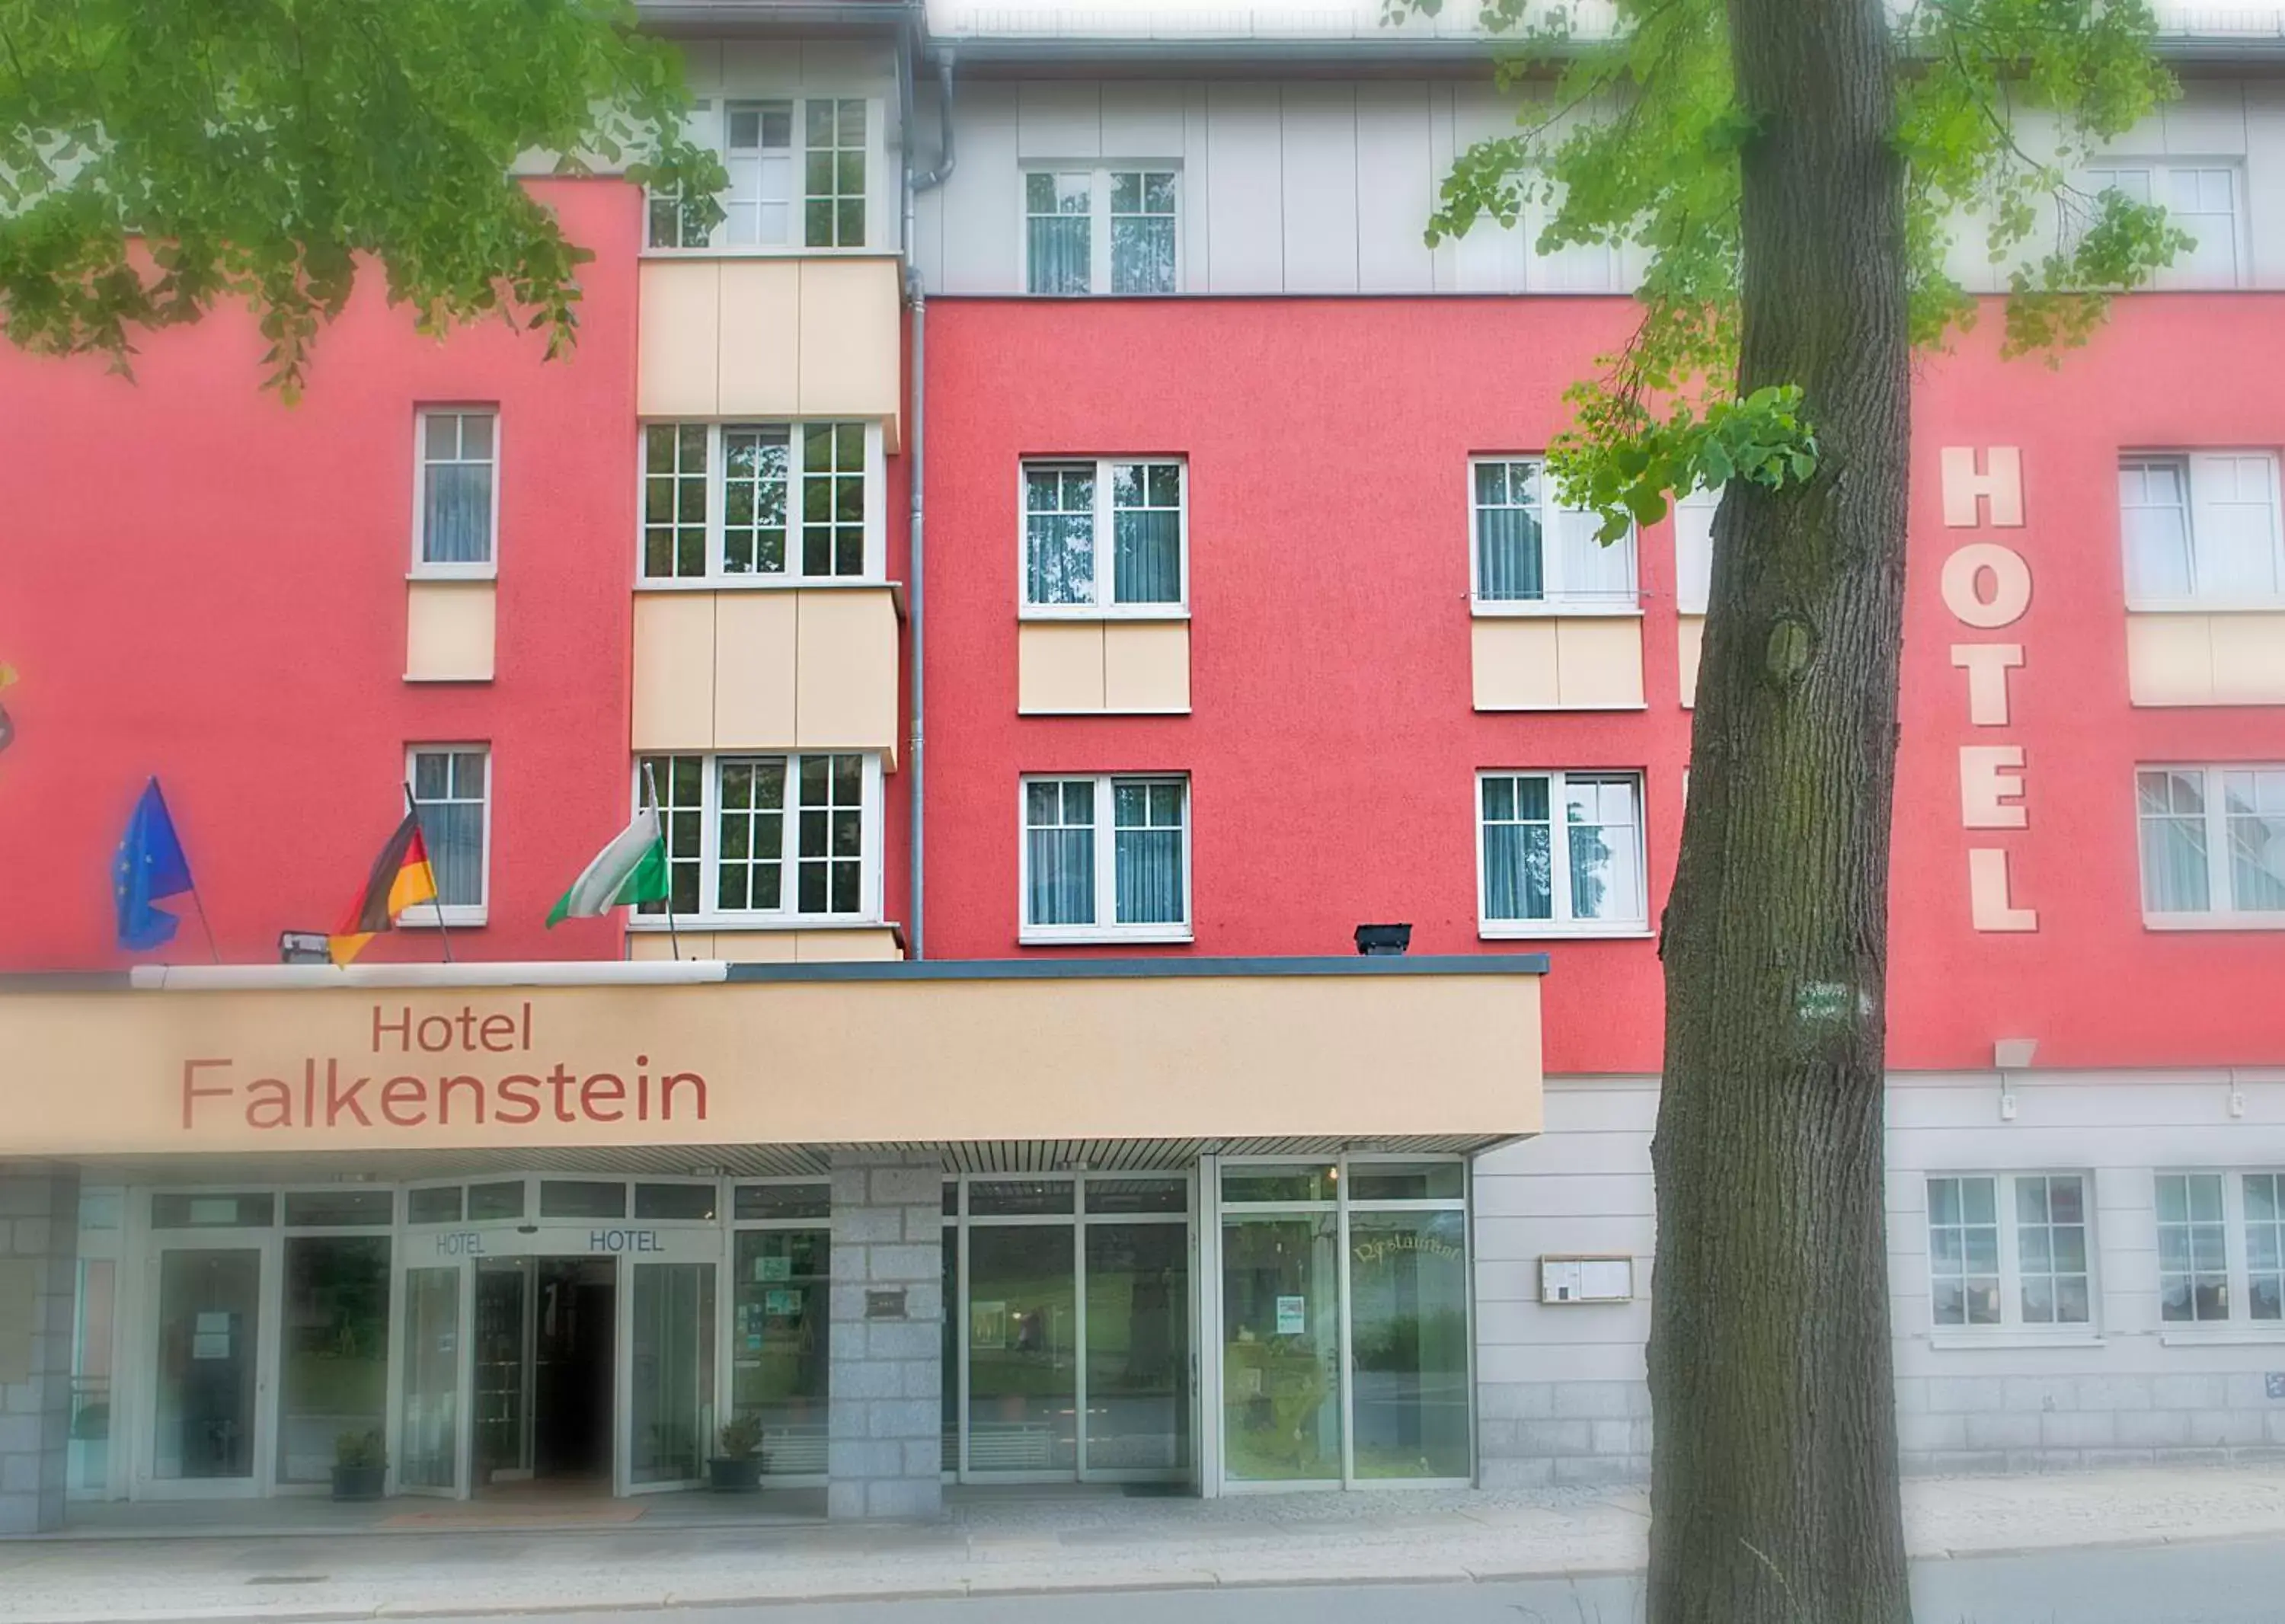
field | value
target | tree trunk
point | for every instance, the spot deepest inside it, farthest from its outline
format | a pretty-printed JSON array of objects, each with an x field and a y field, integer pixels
[{"x": 1774, "y": 1497}]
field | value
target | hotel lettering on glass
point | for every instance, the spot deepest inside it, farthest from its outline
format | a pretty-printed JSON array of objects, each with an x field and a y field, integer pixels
[{"x": 1987, "y": 587}]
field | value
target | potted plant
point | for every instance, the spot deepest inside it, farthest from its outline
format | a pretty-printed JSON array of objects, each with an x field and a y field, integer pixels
[
  {"x": 736, "y": 1468},
  {"x": 360, "y": 1466}
]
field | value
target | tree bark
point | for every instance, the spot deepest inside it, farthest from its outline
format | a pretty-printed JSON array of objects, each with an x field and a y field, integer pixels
[{"x": 1774, "y": 1497}]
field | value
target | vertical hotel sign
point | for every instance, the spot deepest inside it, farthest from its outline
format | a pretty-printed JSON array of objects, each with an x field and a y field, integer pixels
[{"x": 1987, "y": 587}]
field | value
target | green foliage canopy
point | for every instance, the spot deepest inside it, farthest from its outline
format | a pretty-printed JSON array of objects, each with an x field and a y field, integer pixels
[
  {"x": 1633, "y": 135},
  {"x": 159, "y": 155}
]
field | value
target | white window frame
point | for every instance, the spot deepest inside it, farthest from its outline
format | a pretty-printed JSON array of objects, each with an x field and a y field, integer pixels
[
  {"x": 1103, "y": 607},
  {"x": 2185, "y": 462},
  {"x": 1555, "y": 598},
  {"x": 1104, "y": 928},
  {"x": 2238, "y": 1325},
  {"x": 1563, "y": 923},
  {"x": 458, "y": 915},
  {"x": 710, "y": 127},
  {"x": 422, "y": 570},
  {"x": 2099, "y": 174},
  {"x": 717, "y": 579},
  {"x": 2223, "y": 916},
  {"x": 2011, "y": 1325},
  {"x": 1098, "y": 172},
  {"x": 787, "y": 916},
  {"x": 1693, "y": 549}
]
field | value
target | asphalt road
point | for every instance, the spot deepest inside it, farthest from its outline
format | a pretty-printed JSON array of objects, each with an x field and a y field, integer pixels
[{"x": 2231, "y": 1582}]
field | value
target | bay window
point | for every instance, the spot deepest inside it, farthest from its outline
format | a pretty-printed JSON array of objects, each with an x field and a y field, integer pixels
[
  {"x": 1106, "y": 857},
  {"x": 1530, "y": 550},
  {"x": 1104, "y": 535},
  {"x": 2008, "y": 1249},
  {"x": 753, "y": 501},
  {"x": 798, "y": 174},
  {"x": 2213, "y": 845},
  {"x": 1560, "y": 852},
  {"x": 767, "y": 838}
]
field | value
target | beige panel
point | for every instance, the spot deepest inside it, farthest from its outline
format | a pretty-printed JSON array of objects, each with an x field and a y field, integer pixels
[
  {"x": 789, "y": 1062},
  {"x": 757, "y": 946},
  {"x": 680, "y": 333},
  {"x": 1514, "y": 661},
  {"x": 845, "y": 684},
  {"x": 754, "y": 653},
  {"x": 759, "y": 371},
  {"x": 1058, "y": 667},
  {"x": 1689, "y": 645},
  {"x": 658, "y": 944},
  {"x": 2249, "y": 659},
  {"x": 878, "y": 943},
  {"x": 1146, "y": 666},
  {"x": 852, "y": 340},
  {"x": 448, "y": 630},
  {"x": 2170, "y": 660},
  {"x": 1598, "y": 662},
  {"x": 674, "y": 671}
]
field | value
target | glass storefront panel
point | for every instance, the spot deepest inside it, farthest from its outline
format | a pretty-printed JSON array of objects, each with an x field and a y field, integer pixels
[
  {"x": 208, "y": 1334},
  {"x": 949, "y": 1380},
  {"x": 1254, "y": 1181},
  {"x": 672, "y": 1419},
  {"x": 432, "y": 1378},
  {"x": 780, "y": 1324},
  {"x": 90, "y": 1395},
  {"x": 1280, "y": 1353},
  {"x": 502, "y": 1393},
  {"x": 1409, "y": 1342},
  {"x": 1138, "y": 1347},
  {"x": 332, "y": 1349},
  {"x": 1023, "y": 1347}
]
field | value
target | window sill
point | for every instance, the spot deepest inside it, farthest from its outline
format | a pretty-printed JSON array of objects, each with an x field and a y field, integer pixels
[
  {"x": 770, "y": 251},
  {"x": 460, "y": 916},
  {"x": 1132, "y": 936},
  {"x": 2239, "y": 1336},
  {"x": 2199, "y": 606},
  {"x": 1093, "y": 614},
  {"x": 453, "y": 572},
  {"x": 765, "y": 583},
  {"x": 2213, "y": 922},
  {"x": 1548, "y": 931},
  {"x": 1967, "y": 1341},
  {"x": 655, "y": 924},
  {"x": 1554, "y": 608}
]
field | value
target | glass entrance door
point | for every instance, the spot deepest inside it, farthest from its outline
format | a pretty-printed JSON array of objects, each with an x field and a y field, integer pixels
[
  {"x": 213, "y": 1370},
  {"x": 430, "y": 1459},
  {"x": 668, "y": 1402},
  {"x": 1023, "y": 1351}
]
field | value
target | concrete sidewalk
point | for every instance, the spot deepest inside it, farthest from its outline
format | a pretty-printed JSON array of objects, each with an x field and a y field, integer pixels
[{"x": 996, "y": 1544}]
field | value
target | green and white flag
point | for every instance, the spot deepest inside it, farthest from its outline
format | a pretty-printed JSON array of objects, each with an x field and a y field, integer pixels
[{"x": 632, "y": 868}]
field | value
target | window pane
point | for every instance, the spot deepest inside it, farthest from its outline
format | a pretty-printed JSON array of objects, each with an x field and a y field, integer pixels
[
  {"x": 2253, "y": 808},
  {"x": 438, "y": 1205},
  {"x": 451, "y": 811},
  {"x": 1147, "y": 533},
  {"x": 1058, "y": 233},
  {"x": 2176, "y": 878},
  {"x": 1408, "y": 1343},
  {"x": 1508, "y": 542},
  {"x": 831, "y": 857},
  {"x": 1406, "y": 1180},
  {"x": 675, "y": 1201},
  {"x": 582, "y": 1198},
  {"x": 1518, "y": 882},
  {"x": 339, "y": 1208},
  {"x": 1963, "y": 1252},
  {"x": 1059, "y": 850},
  {"x": 503, "y": 1198},
  {"x": 2154, "y": 520},
  {"x": 768, "y": 1201},
  {"x": 1604, "y": 847},
  {"x": 1143, "y": 233},
  {"x": 1059, "y": 534},
  {"x": 1280, "y": 1182},
  {"x": 1141, "y": 1195},
  {"x": 1010, "y": 1197},
  {"x": 1148, "y": 853},
  {"x": 2193, "y": 1260}
]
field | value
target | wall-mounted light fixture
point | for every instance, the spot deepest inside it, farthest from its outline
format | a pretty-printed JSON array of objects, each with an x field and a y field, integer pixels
[
  {"x": 2011, "y": 1054},
  {"x": 1379, "y": 941}
]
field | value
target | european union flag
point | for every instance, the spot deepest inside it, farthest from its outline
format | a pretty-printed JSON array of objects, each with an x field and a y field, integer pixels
[{"x": 150, "y": 864}]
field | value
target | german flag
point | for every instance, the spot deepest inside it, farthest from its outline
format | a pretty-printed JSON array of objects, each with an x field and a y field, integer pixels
[{"x": 401, "y": 879}]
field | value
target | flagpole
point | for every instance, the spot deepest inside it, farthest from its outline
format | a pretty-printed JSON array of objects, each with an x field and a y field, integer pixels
[
  {"x": 200, "y": 903},
  {"x": 650, "y": 794},
  {"x": 412, "y": 809}
]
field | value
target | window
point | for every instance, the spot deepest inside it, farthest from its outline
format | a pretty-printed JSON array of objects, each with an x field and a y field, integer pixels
[
  {"x": 1075, "y": 513},
  {"x": 754, "y": 501},
  {"x": 1106, "y": 857},
  {"x": 766, "y": 148},
  {"x": 452, "y": 792},
  {"x": 2203, "y": 1277},
  {"x": 2213, "y": 844},
  {"x": 2201, "y": 199},
  {"x": 2201, "y": 528},
  {"x": 1528, "y": 551},
  {"x": 1100, "y": 231},
  {"x": 758, "y": 839},
  {"x": 457, "y": 508},
  {"x": 1597, "y": 888},
  {"x": 1693, "y": 550},
  {"x": 2008, "y": 1249}
]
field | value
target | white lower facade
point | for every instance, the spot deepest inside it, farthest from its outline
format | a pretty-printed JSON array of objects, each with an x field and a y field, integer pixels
[{"x": 2179, "y": 1355}]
